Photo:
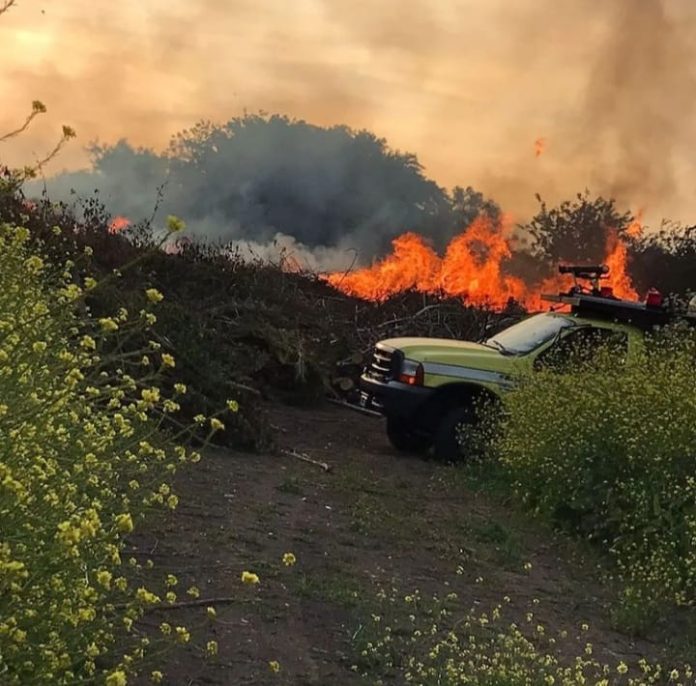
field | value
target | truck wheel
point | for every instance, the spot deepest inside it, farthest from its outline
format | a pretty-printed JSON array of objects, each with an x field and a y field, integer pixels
[
  {"x": 450, "y": 443},
  {"x": 403, "y": 438}
]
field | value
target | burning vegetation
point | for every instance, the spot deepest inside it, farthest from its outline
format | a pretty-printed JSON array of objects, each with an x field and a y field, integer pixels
[{"x": 473, "y": 268}]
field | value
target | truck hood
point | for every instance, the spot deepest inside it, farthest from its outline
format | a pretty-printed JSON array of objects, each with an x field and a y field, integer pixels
[{"x": 445, "y": 351}]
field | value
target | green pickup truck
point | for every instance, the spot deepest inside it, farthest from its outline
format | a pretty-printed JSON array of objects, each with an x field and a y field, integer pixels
[{"x": 428, "y": 388}]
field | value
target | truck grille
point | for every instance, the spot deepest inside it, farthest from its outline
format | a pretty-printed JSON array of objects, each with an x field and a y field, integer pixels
[{"x": 383, "y": 365}]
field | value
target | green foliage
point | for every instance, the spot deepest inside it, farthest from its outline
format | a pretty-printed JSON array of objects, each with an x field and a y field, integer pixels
[
  {"x": 433, "y": 641},
  {"x": 576, "y": 231},
  {"x": 608, "y": 449},
  {"x": 82, "y": 462},
  {"x": 665, "y": 259}
]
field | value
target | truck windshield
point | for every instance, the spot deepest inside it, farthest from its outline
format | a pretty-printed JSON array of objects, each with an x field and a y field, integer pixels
[{"x": 530, "y": 333}]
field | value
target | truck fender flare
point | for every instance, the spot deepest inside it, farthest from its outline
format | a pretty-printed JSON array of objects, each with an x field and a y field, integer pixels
[{"x": 452, "y": 395}]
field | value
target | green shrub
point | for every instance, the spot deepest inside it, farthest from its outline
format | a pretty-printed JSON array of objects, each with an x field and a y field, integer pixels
[
  {"x": 609, "y": 450},
  {"x": 82, "y": 461}
]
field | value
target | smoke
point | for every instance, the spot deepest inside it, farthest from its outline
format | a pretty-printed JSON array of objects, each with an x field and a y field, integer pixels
[
  {"x": 289, "y": 253},
  {"x": 469, "y": 86},
  {"x": 640, "y": 102},
  {"x": 626, "y": 132},
  {"x": 331, "y": 190}
]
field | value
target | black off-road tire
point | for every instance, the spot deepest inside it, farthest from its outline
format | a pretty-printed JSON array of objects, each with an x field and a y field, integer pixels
[
  {"x": 446, "y": 443},
  {"x": 403, "y": 438}
]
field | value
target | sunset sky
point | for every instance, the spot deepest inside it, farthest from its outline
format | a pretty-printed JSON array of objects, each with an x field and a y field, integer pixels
[{"x": 467, "y": 85}]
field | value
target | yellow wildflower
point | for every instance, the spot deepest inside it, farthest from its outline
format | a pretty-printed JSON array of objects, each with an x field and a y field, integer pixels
[
  {"x": 104, "y": 578},
  {"x": 150, "y": 395},
  {"x": 117, "y": 678},
  {"x": 174, "y": 224},
  {"x": 34, "y": 264},
  {"x": 146, "y": 596},
  {"x": 211, "y": 648},
  {"x": 216, "y": 425},
  {"x": 108, "y": 324},
  {"x": 289, "y": 559},
  {"x": 88, "y": 343},
  {"x": 250, "y": 578},
  {"x": 124, "y": 523},
  {"x": 153, "y": 295},
  {"x": 274, "y": 666}
]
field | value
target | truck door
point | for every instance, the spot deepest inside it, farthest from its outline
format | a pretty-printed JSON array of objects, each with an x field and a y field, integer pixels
[{"x": 580, "y": 345}]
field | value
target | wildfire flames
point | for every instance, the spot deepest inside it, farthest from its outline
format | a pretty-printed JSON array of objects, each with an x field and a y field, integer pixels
[
  {"x": 539, "y": 147},
  {"x": 472, "y": 269},
  {"x": 119, "y": 224}
]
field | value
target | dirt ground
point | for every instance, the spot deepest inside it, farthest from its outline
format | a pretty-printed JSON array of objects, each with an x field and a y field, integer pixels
[{"x": 374, "y": 520}]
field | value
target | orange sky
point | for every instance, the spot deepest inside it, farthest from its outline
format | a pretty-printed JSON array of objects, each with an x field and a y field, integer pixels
[{"x": 468, "y": 85}]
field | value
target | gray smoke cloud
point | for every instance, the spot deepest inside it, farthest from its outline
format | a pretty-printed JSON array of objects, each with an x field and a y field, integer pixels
[
  {"x": 609, "y": 85},
  {"x": 626, "y": 132},
  {"x": 340, "y": 194},
  {"x": 640, "y": 101}
]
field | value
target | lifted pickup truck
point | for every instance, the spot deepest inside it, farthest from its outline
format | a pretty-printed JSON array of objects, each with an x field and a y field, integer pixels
[{"x": 428, "y": 388}]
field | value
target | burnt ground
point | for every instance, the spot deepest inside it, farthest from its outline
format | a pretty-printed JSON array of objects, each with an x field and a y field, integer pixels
[{"x": 376, "y": 519}]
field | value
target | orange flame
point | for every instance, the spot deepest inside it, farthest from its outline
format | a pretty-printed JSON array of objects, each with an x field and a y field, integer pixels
[
  {"x": 617, "y": 261},
  {"x": 539, "y": 147},
  {"x": 472, "y": 269},
  {"x": 635, "y": 228},
  {"x": 119, "y": 224}
]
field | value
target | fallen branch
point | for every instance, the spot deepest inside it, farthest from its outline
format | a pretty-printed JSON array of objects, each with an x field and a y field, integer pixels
[
  {"x": 306, "y": 458},
  {"x": 197, "y": 603},
  {"x": 355, "y": 408},
  {"x": 186, "y": 603}
]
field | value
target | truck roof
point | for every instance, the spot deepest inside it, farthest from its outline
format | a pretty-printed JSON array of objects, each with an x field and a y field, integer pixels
[{"x": 630, "y": 312}]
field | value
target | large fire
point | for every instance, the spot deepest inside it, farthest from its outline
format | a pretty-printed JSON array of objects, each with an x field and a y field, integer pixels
[{"x": 472, "y": 269}]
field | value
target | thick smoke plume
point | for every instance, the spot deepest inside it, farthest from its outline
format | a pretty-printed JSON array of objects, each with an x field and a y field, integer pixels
[
  {"x": 627, "y": 132},
  {"x": 608, "y": 86},
  {"x": 641, "y": 102},
  {"x": 267, "y": 184}
]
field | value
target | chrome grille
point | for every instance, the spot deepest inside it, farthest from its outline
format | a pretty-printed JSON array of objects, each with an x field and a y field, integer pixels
[{"x": 382, "y": 365}]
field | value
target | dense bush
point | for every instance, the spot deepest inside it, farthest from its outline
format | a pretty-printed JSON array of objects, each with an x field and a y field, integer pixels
[
  {"x": 609, "y": 449},
  {"x": 82, "y": 461},
  {"x": 665, "y": 259}
]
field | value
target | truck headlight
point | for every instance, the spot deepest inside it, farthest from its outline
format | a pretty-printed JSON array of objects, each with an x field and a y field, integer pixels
[{"x": 411, "y": 373}]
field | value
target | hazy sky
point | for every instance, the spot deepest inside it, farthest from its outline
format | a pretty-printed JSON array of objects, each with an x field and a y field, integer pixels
[{"x": 468, "y": 85}]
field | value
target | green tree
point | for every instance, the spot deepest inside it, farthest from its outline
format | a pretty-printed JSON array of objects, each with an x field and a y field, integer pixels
[
  {"x": 575, "y": 231},
  {"x": 259, "y": 175}
]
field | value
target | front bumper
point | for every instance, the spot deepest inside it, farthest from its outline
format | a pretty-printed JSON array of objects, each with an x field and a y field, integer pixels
[{"x": 392, "y": 398}]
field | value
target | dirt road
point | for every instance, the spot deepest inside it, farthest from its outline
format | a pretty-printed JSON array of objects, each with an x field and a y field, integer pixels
[{"x": 376, "y": 519}]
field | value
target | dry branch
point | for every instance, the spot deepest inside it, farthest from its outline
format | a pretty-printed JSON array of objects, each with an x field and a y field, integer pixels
[{"x": 306, "y": 458}]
